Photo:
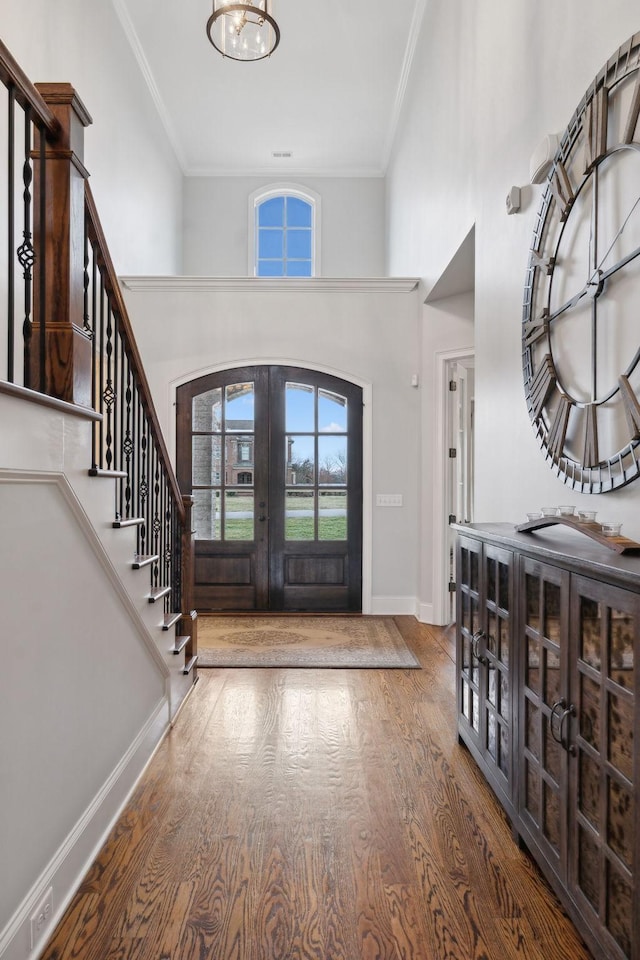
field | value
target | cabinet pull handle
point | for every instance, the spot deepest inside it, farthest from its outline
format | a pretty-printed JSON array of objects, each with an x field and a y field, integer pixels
[
  {"x": 570, "y": 711},
  {"x": 475, "y": 640},
  {"x": 558, "y": 705}
]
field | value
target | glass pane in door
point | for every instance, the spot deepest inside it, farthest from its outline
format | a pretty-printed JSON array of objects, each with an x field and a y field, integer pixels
[
  {"x": 299, "y": 517},
  {"x": 332, "y": 515},
  {"x": 316, "y": 449},
  {"x": 332, "y": 412},
  {"x": 206, "y": 414},
  {"x": 222, "y": 462}
]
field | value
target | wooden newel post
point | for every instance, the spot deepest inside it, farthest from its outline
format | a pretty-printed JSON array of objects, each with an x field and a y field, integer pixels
[
  {"x": 68, "y": 345},
  {"x": 189, "y": 615}
]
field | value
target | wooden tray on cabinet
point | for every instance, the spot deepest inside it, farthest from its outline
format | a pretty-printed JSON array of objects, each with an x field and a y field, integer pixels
[{"x": 589, "y": 529}]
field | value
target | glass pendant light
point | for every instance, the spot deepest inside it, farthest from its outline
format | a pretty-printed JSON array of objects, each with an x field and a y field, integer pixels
[{"x": 243, "y": 31}]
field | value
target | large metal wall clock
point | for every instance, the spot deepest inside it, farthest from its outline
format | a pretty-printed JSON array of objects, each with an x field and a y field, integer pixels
[{"x": 581, "y": 316}]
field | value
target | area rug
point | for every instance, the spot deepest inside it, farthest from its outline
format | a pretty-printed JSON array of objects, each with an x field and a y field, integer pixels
[{"x": 302, "y": 641}]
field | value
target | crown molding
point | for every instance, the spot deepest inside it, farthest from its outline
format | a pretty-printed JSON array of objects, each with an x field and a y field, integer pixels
[
  {"x": 269, "y": 284},
  {"x": 407, "y": 63},
  {"x": 147, "y": 74},
  {"x": 289, "y": 173}
]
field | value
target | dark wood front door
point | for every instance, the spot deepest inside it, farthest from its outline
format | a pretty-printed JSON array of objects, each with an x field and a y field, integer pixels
[{"x": 273, "y": 458}]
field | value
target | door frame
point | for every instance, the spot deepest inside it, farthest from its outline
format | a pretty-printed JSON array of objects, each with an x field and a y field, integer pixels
[
  {"x": 367, "y": 442},
  {"x": 443, "y": 362}
]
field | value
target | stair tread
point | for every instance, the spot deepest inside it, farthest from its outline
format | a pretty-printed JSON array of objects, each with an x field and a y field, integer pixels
[
  {"x": 144, "y": 561},
  {"x": 181, "y": 643},
  {"x": 129, "y": 522},
  {"x": 113, "y": 474},
  {"x": 158, "y": 594},
  {"x": 188, "y": 667},
  {"x": 170, "y": 619}
]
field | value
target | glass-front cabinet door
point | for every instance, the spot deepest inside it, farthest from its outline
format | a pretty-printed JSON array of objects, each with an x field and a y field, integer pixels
[
  {"x": 485, "y": 655},
  {"x": 544, "y": 709},
  {"x": 604, "y": 835},
  {"x": 468, "y": 664}
]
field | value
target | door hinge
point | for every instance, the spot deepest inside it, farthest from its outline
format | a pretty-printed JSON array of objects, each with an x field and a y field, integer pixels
[
  {"x": 453, "y": 386},
  {"x": 452, "y": 453},
  {"x": 452, "y": 586},
  {"x": 452, "y": 518}
]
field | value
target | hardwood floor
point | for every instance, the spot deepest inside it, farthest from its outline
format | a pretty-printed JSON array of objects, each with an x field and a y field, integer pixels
[{"x": 316, "y": 815}]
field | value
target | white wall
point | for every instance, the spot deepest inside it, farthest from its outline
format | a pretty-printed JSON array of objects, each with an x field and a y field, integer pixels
[
  {"x": 85, "y": 693},
  {"x": 368, "y": 335},
  {"x": 490, "y": 80},
  {"x": 135, "y": 176},
  {"x": 216, "y": 224}
]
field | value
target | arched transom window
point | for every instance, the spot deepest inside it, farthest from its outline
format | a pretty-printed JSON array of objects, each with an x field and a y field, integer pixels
[{"x": 284, "y": 234}]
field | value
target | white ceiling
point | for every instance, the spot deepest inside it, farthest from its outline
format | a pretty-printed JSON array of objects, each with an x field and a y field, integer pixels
[{"x": 331, "y": 93}]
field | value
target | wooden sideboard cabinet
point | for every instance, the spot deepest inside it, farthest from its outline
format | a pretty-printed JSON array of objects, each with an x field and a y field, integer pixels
[{"x": 548, "y": 629}]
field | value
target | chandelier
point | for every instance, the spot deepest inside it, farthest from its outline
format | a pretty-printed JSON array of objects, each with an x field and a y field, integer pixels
[{"x": 243, "y": 31}]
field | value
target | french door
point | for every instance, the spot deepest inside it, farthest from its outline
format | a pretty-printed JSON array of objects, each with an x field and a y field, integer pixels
[{"x": 273, "y": 459}]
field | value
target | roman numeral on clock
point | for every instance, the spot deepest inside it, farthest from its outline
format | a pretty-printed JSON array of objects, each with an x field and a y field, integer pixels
[
  {"x": 590, "y": 456},
  {"x": 542, "y": 386},
  {"x": 595, "y": 123},
  {"x": 533, "y": 330},
  {"x": 634, "y": 113},
  {"x": 558, "y": 428},
  {"x": 562, "y": 190},
  {"x": 631, "y": 406},
  {"x": 543, "y": 263}
]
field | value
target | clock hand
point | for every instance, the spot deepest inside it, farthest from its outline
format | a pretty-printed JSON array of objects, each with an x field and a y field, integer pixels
[
  {"x": 618, "y": 266},
  {"x": 570, "y": 303},
  {"x": 594, "y": 284},
  {"x": 615, "y": 239}
]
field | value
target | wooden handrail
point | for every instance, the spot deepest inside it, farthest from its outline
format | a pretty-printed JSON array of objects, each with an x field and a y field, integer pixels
[
  {"x": 12, "y": 75},
  {"x": 118, "y": 306}
]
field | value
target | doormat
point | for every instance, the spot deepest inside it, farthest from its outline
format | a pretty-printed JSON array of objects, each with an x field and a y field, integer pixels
[{"x": 302, "y": 641}]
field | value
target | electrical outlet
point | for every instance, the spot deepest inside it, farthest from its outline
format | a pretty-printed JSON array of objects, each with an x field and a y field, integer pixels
[{"x": 41, "y": 917}]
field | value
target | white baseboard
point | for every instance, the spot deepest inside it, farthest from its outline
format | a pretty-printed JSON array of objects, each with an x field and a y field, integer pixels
[
  {"x": 393, "y": 606},
  {"x": 424, "y": 613},
  {"x": 65, "y": 870}
]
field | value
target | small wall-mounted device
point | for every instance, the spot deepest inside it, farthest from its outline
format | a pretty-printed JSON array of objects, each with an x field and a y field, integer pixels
[
  {"x": 543, "y": 158},
  {"x": 513, "y": 200}
]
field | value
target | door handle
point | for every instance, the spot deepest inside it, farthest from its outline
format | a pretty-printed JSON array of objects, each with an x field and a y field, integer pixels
[
  {"x": 559, "y": 704},
  {"x": 567, "y": 711},
  {"x": 475, "y": 639}
]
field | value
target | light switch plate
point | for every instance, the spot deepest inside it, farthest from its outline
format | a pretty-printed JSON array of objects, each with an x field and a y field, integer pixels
[{"x": 388, "y": 500}]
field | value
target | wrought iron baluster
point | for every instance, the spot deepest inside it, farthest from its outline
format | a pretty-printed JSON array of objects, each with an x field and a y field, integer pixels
[
  {"x": 157, "y": 522},
  {"x": 115, "y": 342},
  {"x": 127, "y": 442},
  {"x": 42, "y": 262},
  {"x": 166, "y": 533},
  {"x": 101, "y": 377},
  {"x": 86, "y": 279},
  {"x": 11, "y": 231},
  {"x": 109, "y": 394},
  {"x": 143, "y": 487},
  {"x": 25, "y": 252},
  {"x": 91, "y": 318}
]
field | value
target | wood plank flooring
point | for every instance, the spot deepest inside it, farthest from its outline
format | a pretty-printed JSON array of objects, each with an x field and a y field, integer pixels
[{"x": 316, "y": 815}]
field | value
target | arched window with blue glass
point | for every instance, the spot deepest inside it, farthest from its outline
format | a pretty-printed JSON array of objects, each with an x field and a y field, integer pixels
[{"x": 285, "y": 229}]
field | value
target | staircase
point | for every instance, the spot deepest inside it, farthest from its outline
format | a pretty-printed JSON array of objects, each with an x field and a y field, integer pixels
[
  {"x": 69, "y": 345},
  {"x": 96, "y": 547}
]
